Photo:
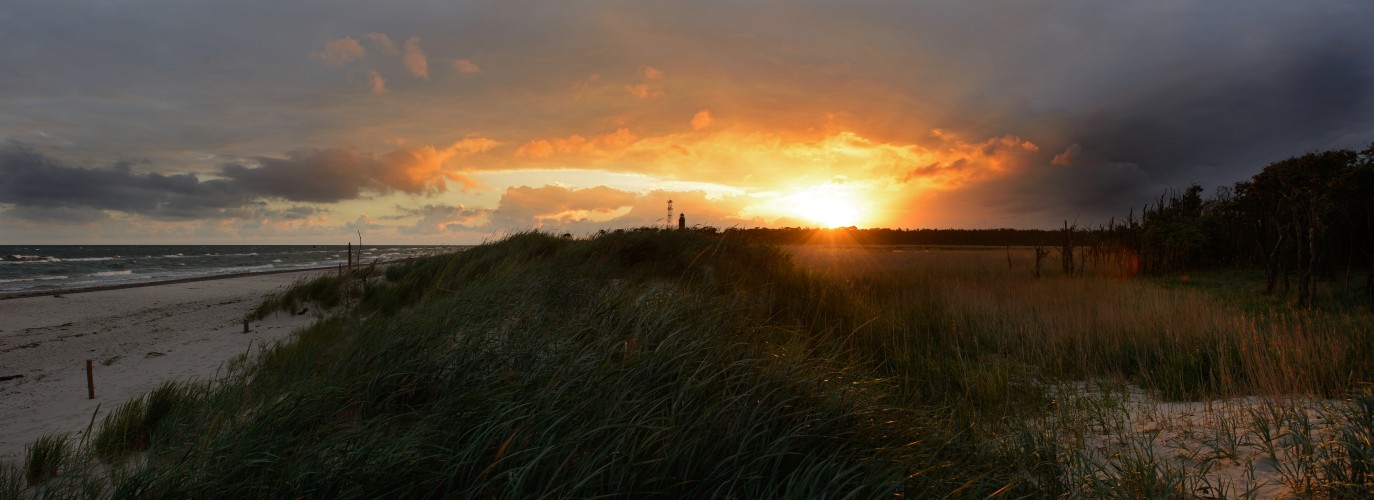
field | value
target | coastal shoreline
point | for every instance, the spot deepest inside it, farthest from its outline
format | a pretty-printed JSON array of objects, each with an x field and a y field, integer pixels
[
  {"x": 136, "y": 338},
  {"x": 122, "y": 286}
]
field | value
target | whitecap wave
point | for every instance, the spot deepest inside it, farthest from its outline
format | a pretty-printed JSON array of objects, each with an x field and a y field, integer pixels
[{"x": 106, "y": 274}]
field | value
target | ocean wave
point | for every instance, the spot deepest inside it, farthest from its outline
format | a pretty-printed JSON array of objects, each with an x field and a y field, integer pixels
[
  {"x": 35, "y": 278},
  {"x": 244, "y": 269},
  {"x": 106, "y": 274},
  {"x": 91, "y": 259},
  {"x": 20, "y": 259}
]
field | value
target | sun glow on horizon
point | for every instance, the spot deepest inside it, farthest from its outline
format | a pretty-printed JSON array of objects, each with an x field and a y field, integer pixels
[{"x": 830, "y": 205}]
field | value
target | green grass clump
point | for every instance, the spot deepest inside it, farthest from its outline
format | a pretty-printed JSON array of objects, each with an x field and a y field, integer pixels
[
  {"x": 327, "y": 291},
  {"x": 131, "y": 426},
  {"x": 12, "y": 481},
  {"x": 1349, "y": 471},
  {"x": 47, "y": 457}
]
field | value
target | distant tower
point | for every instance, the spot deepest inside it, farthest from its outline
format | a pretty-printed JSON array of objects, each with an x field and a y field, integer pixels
[{"x": 668, "y": 223}]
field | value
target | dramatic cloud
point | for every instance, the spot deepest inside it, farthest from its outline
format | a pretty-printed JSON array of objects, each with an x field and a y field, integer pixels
[
  {"x": 586, "y": 210},
  {"x": 415, "y": 59},
  {"x": 934, "y": 114},
  {"x": 332, "y": 175},
  {"x": 41, "y": 187},
  {"x": 1182, "y": 124}
]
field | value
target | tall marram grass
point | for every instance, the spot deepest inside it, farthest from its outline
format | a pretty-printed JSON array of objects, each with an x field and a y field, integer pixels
[
  {"x": 987, "y": 311},
  {"x": 639, "y": 363}
]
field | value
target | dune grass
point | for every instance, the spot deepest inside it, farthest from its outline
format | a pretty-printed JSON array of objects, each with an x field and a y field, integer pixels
[
  {"x": 129, "y": 428},
  {"x": 699, "y": 364},
  {"x": 1182, "y": 342},
  {"x": 48, "y": 456},
  {"x": 641, "y": 363},
  {"x": 12, "y": 481}
]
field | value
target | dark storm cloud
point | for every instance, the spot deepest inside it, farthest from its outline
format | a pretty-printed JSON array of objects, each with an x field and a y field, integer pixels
[
  {"x": 34, "y": 182},
  {"x": 1220, "y": 125},
  {"x": 322, "y": 176}
]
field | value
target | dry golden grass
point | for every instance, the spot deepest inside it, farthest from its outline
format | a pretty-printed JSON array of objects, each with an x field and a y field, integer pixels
[{"x": 1182, "y": 343}]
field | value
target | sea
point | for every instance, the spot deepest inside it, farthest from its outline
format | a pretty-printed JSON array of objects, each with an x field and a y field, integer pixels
[{"x": 41, "y": 268}]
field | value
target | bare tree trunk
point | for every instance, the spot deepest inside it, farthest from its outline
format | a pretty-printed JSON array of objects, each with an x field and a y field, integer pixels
[
  {"x": 1272, "y": 266},
  {"x": 1066, "y": 249},
  {"x": 1040, "y": 254}
]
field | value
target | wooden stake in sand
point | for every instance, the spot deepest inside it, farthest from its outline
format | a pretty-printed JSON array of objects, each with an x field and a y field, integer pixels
[{"x": 90, "y": 380}]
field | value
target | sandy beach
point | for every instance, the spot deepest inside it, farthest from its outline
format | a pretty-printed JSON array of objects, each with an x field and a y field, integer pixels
[{"x": 136, "y": 337}]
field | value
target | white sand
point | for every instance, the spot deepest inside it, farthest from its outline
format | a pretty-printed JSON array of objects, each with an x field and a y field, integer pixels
[
  {"x": 1218, "y": 443},
  {"x": 137, "y": 338}
]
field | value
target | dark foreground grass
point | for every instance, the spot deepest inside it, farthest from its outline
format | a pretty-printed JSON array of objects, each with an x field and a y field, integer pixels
[
  {"x": 637, "y": 364},
  {"x": 48, "y": 456},
  {"x": 692, "y": 364}
]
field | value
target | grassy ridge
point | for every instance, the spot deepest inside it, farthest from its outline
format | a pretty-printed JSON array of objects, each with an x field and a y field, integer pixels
[
  {"x": 688, "y": 363},
  {"x": 640, "y": 363}
]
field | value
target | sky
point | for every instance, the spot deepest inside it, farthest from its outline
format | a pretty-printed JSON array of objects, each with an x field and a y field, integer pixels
[{"x": 442, "y": 122}]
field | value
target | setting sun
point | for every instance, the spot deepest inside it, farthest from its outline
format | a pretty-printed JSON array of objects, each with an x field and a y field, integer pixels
[{"x": 829, "y": 205}]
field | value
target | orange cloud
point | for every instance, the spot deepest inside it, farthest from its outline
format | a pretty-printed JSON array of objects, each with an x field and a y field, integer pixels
[
  {"x": 955, "y": 162},
  {"x": 556, "y": 204},
  {"x": 382, "y": 42},
  {"x": 423, "y": 171},
  {"x": 576, "y": 144},
  {"x": 378, "y": 83},
  {"x": 465, "y": 66},
  {"x": 415, "y": 59},
  {"x": 645, "y": 90},
  {"x": 473, "y": 145},
  {"x": 339, "y": 51},
  {"x": 340, "y": 174},
  {"x": 701, "y": 120},
  {"x": 589, "y": 209}
]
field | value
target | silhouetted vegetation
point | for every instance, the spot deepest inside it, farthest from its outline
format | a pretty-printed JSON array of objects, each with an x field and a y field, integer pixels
[{"x": 1300, "y": 220}]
